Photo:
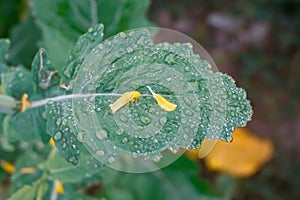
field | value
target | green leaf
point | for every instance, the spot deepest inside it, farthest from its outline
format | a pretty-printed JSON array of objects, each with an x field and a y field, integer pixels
[
  {"x": 165, "y": 185},
  {"x": 31, "y": 192},
  {"x": 21, "y": 127},
  {"x": 44, "y": 76},
  {"x": 61, "y": 127},
  {"x": 26, "y": 192},
  {"x": 36, "y": 154},
  {"x": 209, "y": 105},
  {"x": 59, "y": 124},
  {"x": 58, "y": 168},
  {"x": 4, "y": 46},
  {"x": 17, "y": 82},
  {"x": 81, "y": 49},
  {"x": 25, "y": 37},
  {"x": 62, "y": 21}
]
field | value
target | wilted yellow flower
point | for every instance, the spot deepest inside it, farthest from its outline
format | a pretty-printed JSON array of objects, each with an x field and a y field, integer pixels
[
  {"x": 242, "y": 157},
  {"x": 8, "y": 167}
]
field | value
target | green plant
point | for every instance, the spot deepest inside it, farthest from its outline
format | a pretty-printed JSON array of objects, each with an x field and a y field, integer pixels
[{"x": 71, "y": 104}]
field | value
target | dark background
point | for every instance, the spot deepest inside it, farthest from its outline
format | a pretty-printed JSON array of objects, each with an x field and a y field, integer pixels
[{"x": 256, "y": 42}]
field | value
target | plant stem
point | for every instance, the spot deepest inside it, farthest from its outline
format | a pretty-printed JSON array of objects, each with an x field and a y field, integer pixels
[{"x": 71, "y": 96}]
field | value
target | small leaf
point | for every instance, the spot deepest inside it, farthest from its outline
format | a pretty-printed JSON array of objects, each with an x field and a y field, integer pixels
[
  {"x": 25, "y": 37},
  {"x": 26, "y": 192},
  {"x": 4, "y": 46},
  {"x": 65, "y": 25},
  {"x": 44, "y": 75},
  {"x": 20, "y": 127},
  {"x": 17, "y": 81},
  {"x": 58, "y": 168}
]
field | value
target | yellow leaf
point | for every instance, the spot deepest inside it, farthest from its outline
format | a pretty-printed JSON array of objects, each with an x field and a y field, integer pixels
[{"x": 242, "y": 157}]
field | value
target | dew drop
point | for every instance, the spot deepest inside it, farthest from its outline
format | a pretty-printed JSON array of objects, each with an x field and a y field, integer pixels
[
  {"x": 156, "y": 158},
  {"x": 80, "y": 136},
  {"x": 186, "y": 69},
  {"x": 134, "y": 155},
  {"x": 188, "y": 112},
  {"x": 162, "y": 120},
  {"x": 197, "y": 108},
  {"x": 187, "y": 100},
  {"x": 64, "y": 122},
  {"x": 145, "y": 120},
  {"x": 100, "y": 152},
  {"x": 229, "y": 138},
  {"x": 189, "y": 45},
  {"x": 129, "y": 50},
  {"x": 111, "y": 159},
  {"x": 101, "y": 134},
  {"x": 122, "y": 35},
  {"x": 44, "y": 115},
  {"x": 170, "y": 59},
  {"x": 57, "y": 136},
  {"x": 120, "y": 131},
  {"x": 58, "y": 121},
  {"x": 185, "y": 136},
  {"x": 220, "y": 109},
  {"x": 152, "y": 110},
  {"x": 125, "y": 140},
  {"x": 123, "y": 118},
  {"x": 169, "y": 79}
]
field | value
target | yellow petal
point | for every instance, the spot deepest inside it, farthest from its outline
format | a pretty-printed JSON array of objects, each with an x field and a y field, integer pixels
[
  {"x": 242, "y": 157},
  {"x": 164, "y": 103},
  {"x": 124, "y": 99},
  {"x": 28, "y": 170},
  {"x": 8, "y": 167},
  {"x": 25, "y": 102},
  {"x": 59, "y": 187},
  {"x": 51, "y": 142}
]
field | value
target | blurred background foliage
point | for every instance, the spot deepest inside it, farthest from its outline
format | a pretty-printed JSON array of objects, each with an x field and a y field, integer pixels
[{"x": 256, "y": 42}]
